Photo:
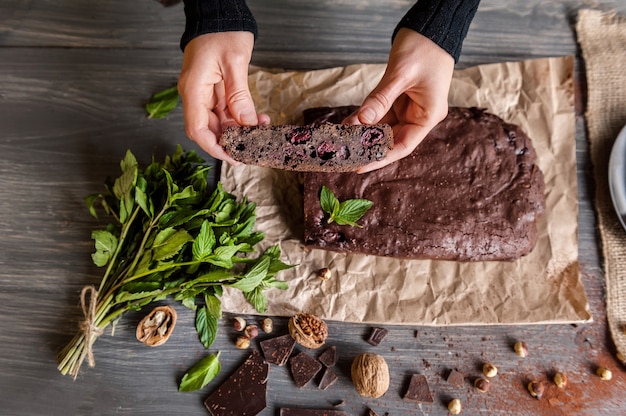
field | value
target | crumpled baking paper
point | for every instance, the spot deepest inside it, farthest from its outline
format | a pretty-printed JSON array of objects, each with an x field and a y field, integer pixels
[{"x": 543, "y": 287}]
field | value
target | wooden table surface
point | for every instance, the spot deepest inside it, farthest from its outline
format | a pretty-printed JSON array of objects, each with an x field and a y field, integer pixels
[{"x": 74, "y": 76}]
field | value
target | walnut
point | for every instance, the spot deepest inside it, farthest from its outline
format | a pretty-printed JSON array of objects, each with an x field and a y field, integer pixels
[
  {"x": 156, "y": 327},
  {"x": 308, "y": 330},
  {"x": 370, "y": 375}
]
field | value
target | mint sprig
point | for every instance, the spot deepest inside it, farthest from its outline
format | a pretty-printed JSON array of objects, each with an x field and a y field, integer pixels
[
  {"x": 171, "y": 236},
  {"x": 347, "y": 212}
]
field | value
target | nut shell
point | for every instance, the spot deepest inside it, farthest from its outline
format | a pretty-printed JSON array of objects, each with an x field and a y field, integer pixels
[
  {"x": 536, "y": 389},
  {"x": 308, "y": 330},
  {"x": 156, "y": 327},
  {"x": 370, "y": 375}
]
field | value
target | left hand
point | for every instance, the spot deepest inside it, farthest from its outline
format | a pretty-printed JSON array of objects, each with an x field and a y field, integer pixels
[{"x": 412, "y": 95}]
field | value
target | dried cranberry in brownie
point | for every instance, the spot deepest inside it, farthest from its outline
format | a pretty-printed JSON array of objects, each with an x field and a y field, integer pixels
[
  {"x": 328, "y": 147},
  {"x": 471, "y": 191}
]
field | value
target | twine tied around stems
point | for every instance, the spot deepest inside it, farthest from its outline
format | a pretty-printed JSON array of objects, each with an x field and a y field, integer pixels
[{"x": 89, "y": 303}]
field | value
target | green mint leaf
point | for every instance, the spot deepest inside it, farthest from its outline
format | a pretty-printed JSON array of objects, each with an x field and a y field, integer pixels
[
  {"x": 352, "y": 210},
  {"x": 90, "y": 200},
  {"x": 223, "y": 256},
  {"x": 206, "y": 326},
  {"x": 204, "y": 242},
  {"x": 105, "y": 243},
  {"x": 343, "y": 213},
  {"x": 257, "y": 299},
  {"x": 201, "y": 373},
  {"x": 254, "y": 276},
  {"x": 213, "y": 306},
  {"x": 163, "y": 102},
  {"x": 330, "y": 204},
  {"x": 169, "y": 242}
]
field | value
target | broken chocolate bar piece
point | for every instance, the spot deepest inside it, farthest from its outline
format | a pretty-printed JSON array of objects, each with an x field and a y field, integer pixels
[
  {"x": 329, "y": 356},
  {"x": 294, "y": 411},
  {"x": 418, "y": 390},
  {"x": 455, "y": 378},
  {"x": 376, "y": 336},
  {"x": 304, "y": 368},
  {"x": 249, "y": 381},
  {"x": 278, "y": 349},
  {"x": 328, "y": 379}
]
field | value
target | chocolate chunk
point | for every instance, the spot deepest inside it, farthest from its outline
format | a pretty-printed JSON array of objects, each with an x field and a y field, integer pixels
[
  {"x": 249, "y": 381},
  {"x": 294, "y": 411},
  {"x": 328, "y": 379},
  {"x": 376, "y": 336},
  {"x": 455, "y": 378},
  {"x": 418, "y": 390},
  {"x": 278, "y": 349},
  {"x": 329, "y": 356},
  {"x": 304, "y": 368}
]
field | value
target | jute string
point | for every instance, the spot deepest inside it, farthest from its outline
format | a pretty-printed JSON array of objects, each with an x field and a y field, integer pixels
[
  {"x": 88, "y": 303},
  {"x": 602, "y": 37}
]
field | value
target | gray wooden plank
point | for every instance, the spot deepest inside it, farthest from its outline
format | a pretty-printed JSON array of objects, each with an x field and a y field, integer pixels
[{"x": 295, "y": 33}]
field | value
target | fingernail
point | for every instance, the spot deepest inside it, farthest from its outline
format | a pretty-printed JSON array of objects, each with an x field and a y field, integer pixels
[
  {"x": 248, "y": 118},
  {"x": 367, "y": 115}
]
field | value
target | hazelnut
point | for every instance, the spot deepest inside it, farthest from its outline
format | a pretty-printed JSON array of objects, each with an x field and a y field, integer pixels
[
  {"x": 370, "y": 375},
  {"x": 156, "y": 327},
  {"x": 308, "y": 330},
  {"x": 324, "y": 273},
  {"x": 251, "y": 331},
  {"x": 242, "y": 342},
  {"x": 454, "y": 406},
  {"x": 239, "y": 323},
  {"x": 267, "y": 325},
  {"x": 604, "y": 373},
  {"x": 490, "y": 370},
  {"x": 521, "y": 349},
  {"x": 560, "y": 380},
  {"x": 536, "y": 389},
  {"x": 482, "y": 384}
]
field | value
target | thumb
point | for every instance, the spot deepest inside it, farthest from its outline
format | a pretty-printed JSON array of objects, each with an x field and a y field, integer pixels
[
  {"x": 238, "y": 97},
  {"x": 379, "y": 101}
]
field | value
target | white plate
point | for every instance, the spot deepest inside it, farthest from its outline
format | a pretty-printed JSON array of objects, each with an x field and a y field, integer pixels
[{"x": 617, "y": 176}]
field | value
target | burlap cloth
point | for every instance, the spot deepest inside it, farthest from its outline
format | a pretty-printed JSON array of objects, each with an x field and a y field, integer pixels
[{"x": 602, "y": 37}]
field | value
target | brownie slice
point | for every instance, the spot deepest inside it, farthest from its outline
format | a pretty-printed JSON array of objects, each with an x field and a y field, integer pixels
[
  {"x": 327, "y": 147},
  {"x": 471, "y": 191}
]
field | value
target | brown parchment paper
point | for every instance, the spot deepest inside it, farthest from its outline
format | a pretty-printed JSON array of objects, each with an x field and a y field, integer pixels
[{"x": 543, "y": 287}]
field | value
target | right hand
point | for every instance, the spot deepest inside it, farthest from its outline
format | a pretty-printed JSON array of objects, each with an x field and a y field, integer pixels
[{"x": 213, "y": 84}]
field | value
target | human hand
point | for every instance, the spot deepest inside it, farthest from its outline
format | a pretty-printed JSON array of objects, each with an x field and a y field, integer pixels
[
  {"x": 412, "y": 95},
  {"x": 213, "y": 84}
]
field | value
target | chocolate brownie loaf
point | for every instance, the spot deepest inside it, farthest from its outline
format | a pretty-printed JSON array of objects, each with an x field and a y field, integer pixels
[
  {"x": 471, "y": 191},
  {"x": 326, "y": 147}
]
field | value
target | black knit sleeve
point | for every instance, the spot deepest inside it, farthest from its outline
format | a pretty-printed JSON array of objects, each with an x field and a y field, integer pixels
[
  {"x": 210, "y": 16},
  {"x": 445, "y": 22}
]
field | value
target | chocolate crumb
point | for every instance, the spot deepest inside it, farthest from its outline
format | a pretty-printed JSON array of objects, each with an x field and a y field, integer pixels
[
  {"x": 418, "y": 390},
  {"x": 377, "y": 335},
  {"x": 455, "y": 378},
  {"x": 328, "y": 379},
  {"x": 304, "y": 368},
  {"x": 329, "y": 356},
  {"x": 278, "y": 349}
]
